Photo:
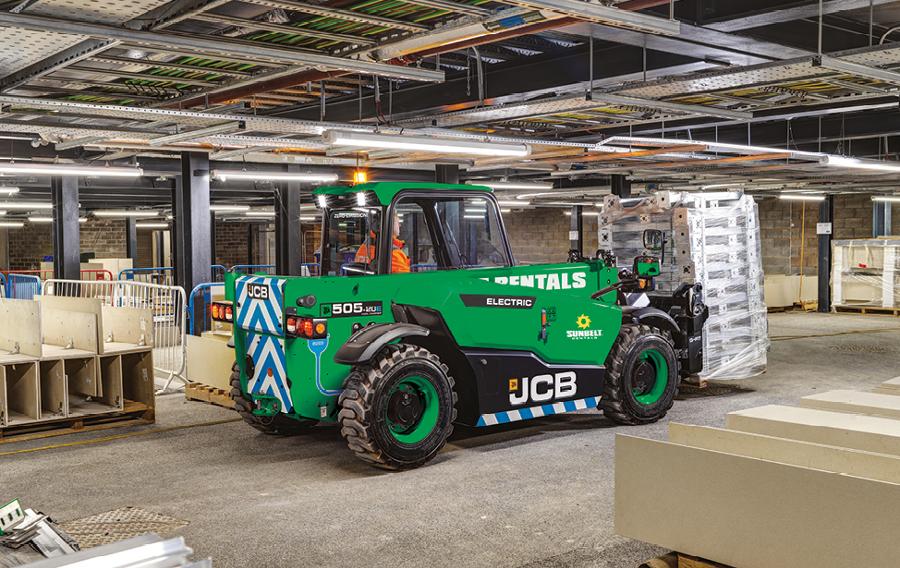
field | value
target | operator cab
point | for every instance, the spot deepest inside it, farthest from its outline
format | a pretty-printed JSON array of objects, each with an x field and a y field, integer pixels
[{"x": 391, "y": 228}]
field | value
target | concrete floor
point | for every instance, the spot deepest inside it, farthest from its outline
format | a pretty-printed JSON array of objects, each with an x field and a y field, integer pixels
[{"x": 538, "y": 494}]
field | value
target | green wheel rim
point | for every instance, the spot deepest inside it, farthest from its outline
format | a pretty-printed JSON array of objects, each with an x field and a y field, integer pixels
[
  {"x": 422, "y": 423},
  {"x": 661, "y": 368}
]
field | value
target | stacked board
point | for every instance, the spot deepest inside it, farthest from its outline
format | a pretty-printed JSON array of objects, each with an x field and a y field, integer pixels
[
  {"x": 68, "y": 359},
  {"x": 816, "y": 485}
]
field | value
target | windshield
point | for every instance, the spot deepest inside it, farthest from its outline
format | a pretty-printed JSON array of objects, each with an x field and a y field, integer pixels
[{"x": 351, "y": 240}]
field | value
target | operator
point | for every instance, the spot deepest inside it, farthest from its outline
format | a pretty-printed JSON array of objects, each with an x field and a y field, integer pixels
[{"x": 399, "y": 260}]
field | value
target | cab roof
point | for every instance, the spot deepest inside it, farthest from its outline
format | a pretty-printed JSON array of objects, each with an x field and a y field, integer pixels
[{"x": 386, "y": 190}]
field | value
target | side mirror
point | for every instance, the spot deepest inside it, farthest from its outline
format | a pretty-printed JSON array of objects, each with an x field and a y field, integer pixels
[{"x": 654, "y": 239}]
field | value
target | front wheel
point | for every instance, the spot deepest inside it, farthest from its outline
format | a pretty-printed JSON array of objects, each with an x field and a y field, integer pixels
[
  {"x": 643, "y": 377},
  {"x": 398, "y": 410}
]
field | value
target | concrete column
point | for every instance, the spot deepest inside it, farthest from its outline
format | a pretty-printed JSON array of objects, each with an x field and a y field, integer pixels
[
  {"x": 826, "y": 215},
  {"x": 191, "y": 235},
  {"x": 66, "y": 233},
  {"x": 288, "y": 249},
  {"x": 446, "y": 173}
]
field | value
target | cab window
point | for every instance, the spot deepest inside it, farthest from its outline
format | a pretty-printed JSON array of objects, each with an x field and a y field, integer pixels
[{"x": 351, "y": 241}]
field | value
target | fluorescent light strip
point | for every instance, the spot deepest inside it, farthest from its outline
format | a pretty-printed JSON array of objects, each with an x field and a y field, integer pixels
[
  {"x": 308, "y": 218},
  {"x": 886, "y": 198},
  {"x": 8, "y": 190},
  {"x": 229, "y": 208},
  {"x": 125, "y": 213},
  {"x": 26, "y": 206},
  {"x": 68, "y": 170},
  {"x": 40, "y": 220},
  {"x": 516, "y": 203},
  {"x": 152, "y": 225},
  {"x": 11, "y": 224},
  {"x": 857, "y": 164},
  {"x": 514, "y": 185},
  {"x": 269, "y": 214},
  {"x": 424, "y": 144},
  {"x": 225, "y": 175},
  {"x": 801, "y": 197}
]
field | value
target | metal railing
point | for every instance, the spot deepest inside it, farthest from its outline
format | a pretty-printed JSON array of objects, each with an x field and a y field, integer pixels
[
  {"x": 217, "y": 271},
  {"x": 199, "y": 315},
  {"x": 161, "y": 275},
  {"x": 21, "y": 286},
  {"x": 166, "y": 303}
]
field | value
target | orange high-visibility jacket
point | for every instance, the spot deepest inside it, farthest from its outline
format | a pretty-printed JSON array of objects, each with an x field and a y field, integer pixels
[{"x": 399, "y": 260}]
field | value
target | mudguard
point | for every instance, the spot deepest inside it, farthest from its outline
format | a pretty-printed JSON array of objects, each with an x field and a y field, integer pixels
[
  {"x": 653, "y": 317},
  {"x": 367, "y": 342}
]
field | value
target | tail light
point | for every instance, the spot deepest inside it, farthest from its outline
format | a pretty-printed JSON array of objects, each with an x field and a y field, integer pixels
[
  {"x": 222, "y": 311},
  {"x": 310, "y": 328}
]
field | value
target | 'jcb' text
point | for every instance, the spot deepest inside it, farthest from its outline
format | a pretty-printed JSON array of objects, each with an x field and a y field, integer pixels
[{"x": 542, "y": 388}]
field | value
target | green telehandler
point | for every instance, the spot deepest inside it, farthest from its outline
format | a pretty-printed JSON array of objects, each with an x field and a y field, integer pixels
[{"x": 420, "y": 318}]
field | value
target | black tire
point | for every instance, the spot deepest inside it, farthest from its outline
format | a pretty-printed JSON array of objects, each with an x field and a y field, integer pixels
[
  {"x": 367, "y": 399},
  {"x": 279, "y": 425},
  {"x": 626, "y": 372}
]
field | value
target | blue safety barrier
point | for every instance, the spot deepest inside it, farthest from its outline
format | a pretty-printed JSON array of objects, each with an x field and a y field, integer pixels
[
  {"x": 218, "y": 272},
  {"x": 22, "y": 286},
  {"x": 252, "y": 268},
  {"x": 199, "y": 315},
  {"x": 156, "y": 275}
]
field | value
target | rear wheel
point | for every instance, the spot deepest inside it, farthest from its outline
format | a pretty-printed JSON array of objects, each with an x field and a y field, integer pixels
[
  {"x": 398, "y": 411},
  {"x": 278, "y": 425},
  {"x": 642, "y": 378}
]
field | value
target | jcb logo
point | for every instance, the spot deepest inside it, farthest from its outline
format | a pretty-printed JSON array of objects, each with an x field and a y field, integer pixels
[
  {"x": 258, "y": 291},
  {"x": 542, "y": 388}
]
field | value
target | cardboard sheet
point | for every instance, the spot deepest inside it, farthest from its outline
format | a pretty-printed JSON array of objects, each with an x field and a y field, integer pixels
[
  {"x": 752, "y": 513},
  {"x": 26, "y": 334},
  {"x": 872, "y": 404},
  {"x": 882, "y": 467},
  {"x": 127, "y": 326},
  {"x": 868, "y": 433},
  {"x": 68, "y": 329}
]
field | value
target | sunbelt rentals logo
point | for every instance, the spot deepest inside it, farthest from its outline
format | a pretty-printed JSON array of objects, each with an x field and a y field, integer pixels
[{"x": 584, "y": 331}]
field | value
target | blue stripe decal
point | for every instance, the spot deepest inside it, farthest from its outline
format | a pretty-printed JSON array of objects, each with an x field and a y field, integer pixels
[{"x": 537, "y": 411}]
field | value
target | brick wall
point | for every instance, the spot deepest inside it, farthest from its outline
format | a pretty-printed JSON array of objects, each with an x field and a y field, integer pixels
[
  {"x": 231, "y": 243},
  {"x": 542, "y": 235},
  {"x": 781, "y": 225},
  {"x": 29, "y": 245}
]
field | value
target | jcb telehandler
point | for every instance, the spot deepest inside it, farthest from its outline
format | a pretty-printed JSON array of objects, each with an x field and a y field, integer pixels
[{"x": 421, "y": 319}]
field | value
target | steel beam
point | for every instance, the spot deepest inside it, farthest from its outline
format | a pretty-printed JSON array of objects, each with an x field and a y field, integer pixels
[
  {"x": 826, "y": 215},
  {"x": 220, "y": 47},
  {"x": 446, "y": 173},
  {"x": 576, "y": 229},
  {"x": 81, "y": 50},
  {"x": 621, "y": 185},
  {"x": 608, "y": 16},
  {"x": 288, "y": 248},
  {"x": 768, "y": 16},
  {"x": 131, "y": 248},
  {"x": 66, "y": 233},
  {"x": 191, "y": 235}
]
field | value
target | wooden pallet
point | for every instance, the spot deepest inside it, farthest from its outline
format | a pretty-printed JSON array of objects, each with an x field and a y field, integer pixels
[
  {"x": 868, "y": 310},
  {"x": 206, "y": 393},
  {"x": 133, "y": 414}
]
